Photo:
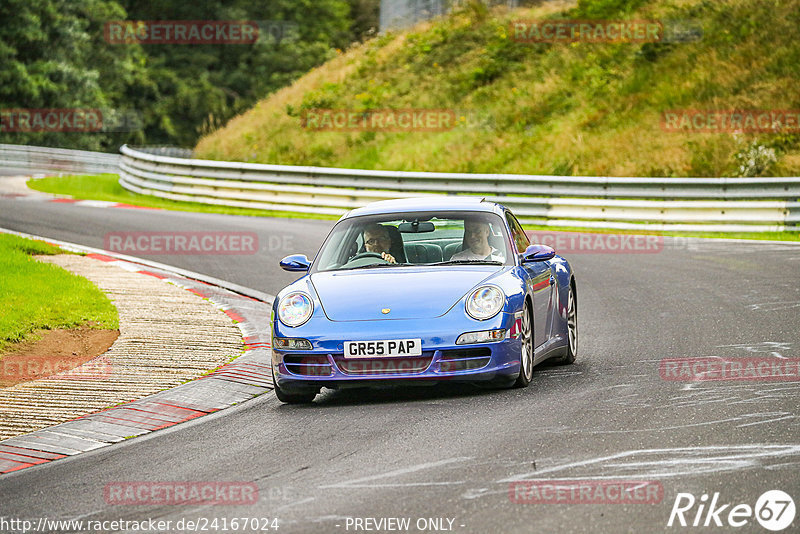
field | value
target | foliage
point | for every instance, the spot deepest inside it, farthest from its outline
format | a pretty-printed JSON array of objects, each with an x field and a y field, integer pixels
[
  {"x": 578, "y": 108},
  {"x": 55, "y": 55},
  {"x": 755, "y": 160}
]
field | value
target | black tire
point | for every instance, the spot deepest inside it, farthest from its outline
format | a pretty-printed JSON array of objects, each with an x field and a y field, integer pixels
[
  {"x": 571, "y": 351},
  {"x": 526, "y": 353},
  {"x": 294, "y": 397}
]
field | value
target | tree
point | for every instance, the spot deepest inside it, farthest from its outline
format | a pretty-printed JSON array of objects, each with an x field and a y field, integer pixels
[{"x": 55, "y": 55}]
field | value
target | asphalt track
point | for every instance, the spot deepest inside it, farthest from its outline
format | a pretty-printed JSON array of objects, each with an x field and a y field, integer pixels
[{"x": 451, "y": 452}]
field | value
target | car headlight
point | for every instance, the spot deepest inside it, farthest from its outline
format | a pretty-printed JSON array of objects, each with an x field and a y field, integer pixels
[
  {"x": 295, "y": 309},
  {"x": 485, "y": 302}
]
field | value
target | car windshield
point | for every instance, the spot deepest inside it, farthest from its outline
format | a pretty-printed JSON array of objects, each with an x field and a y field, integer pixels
[{"x": 402, "y": 239}]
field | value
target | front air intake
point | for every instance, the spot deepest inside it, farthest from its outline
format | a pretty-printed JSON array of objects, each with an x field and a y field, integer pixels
[
  {"x": 298, "y": 364},
  {"x": 464, "y": 359}
]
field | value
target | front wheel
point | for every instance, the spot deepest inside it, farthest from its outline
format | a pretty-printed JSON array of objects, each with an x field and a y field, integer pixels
[
  {"x": 526, "y": 353},
  {"x": 295, "y": 397}
]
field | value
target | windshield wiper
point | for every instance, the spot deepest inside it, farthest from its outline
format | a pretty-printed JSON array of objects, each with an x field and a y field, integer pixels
[
  {"x": 370, "y": 266},
  {"x": 474, "y": 262}
]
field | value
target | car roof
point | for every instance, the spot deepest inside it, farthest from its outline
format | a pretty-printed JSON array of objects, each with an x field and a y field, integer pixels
[{"x": 432, "y": 203}]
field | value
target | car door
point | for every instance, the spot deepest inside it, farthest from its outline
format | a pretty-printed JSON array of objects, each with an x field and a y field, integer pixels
[{"x": 540, "y": 283}]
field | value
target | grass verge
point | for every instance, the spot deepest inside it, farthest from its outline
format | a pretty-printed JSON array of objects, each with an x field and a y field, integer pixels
[
  {"x": 35, "y": 295},
  {"x": 106, "y": 187}
]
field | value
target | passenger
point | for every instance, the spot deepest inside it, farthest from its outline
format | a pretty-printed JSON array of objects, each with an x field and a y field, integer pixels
[{"x": 476, "y": 243}]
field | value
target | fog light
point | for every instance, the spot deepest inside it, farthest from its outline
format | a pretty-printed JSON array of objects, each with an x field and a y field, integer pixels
[
  {"x": 283, "y": 343},
  {"x": 485, "y": 336}
]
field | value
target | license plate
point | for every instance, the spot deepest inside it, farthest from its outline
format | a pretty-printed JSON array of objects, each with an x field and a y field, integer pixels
[{"x": 383, "y": 349}]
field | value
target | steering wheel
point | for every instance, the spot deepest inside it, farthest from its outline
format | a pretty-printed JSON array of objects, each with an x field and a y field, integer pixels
[{"x": 364, "y": 256}]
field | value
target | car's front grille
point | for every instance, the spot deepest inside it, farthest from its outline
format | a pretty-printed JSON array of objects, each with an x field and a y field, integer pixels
[
  {"x": 452, "y": 360},
  {"x": 385, "y": 366},
  {"x": 464, "y": 359},
  {"x": 308, "y": 365}
]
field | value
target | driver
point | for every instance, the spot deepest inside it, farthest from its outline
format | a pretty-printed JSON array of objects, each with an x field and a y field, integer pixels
[
  {"x": 476, "y": 243},
  {"x": 378, "y": 240}
]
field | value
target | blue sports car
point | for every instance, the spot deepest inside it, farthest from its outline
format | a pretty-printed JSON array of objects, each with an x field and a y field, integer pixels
[{"x": 422, "y": 290}]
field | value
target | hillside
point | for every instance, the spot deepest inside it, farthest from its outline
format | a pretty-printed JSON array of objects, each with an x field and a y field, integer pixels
[{"x": 542, "y": 108}]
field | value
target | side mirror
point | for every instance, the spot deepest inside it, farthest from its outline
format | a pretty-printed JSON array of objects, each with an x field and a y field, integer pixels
[
  {"x": 538, "y": 253},
  {"x": 295, "y": 262}
]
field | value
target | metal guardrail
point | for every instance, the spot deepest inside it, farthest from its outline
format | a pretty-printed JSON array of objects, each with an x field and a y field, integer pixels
[
  {"x": 37, "y": 159},
  {"x": 170, "y": 151},
  {"x": 657, "y": 204},
  {"x": 663, "y": 204}
]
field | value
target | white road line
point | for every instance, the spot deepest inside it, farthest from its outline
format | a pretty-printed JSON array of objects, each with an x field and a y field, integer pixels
[{"x": 359, "y": 482}]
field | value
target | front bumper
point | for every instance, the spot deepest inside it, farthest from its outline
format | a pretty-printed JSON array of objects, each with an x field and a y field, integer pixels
[{"x": 441, "y": 359}]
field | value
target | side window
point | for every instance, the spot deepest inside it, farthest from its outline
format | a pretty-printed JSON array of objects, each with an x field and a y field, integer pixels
[{"x": 521, "y": 240}]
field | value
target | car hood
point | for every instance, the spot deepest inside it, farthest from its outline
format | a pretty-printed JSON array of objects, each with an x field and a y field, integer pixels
[{"x": 408, "y": 292}]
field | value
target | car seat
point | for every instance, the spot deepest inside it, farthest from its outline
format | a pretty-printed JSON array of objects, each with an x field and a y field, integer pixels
[
  {"x": 451, "y": 249},
  {"x": 423, "y": 252},
  {"x": 397, "y": 250}
]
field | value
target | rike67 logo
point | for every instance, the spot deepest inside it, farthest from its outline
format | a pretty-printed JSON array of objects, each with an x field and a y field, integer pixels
[{"x": 774, "y": 510}]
